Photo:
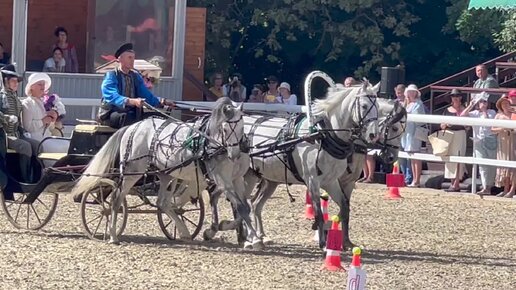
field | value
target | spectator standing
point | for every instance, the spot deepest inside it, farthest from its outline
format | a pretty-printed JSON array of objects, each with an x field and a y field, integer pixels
[
  {"x": 405, "y": 168},
  {"x": 69, "y": 51},
  {"x": 216, "y": 85},
  {"x": 286, "y": 97},
  {"x": 485, "y": 81},
  {"x": 5, "y": 58},
  {"x": 272, "y": 93},
  {"x": 56, "y": 63},
  {"x": 235, "y": 90},
  {"x": 409, "y": 142},
  {"x": 505, "y": 137},
  {"x": 484, "y": 141},
  {"x": 457, "y": 146},
  {"x": 257, "y": 94}
]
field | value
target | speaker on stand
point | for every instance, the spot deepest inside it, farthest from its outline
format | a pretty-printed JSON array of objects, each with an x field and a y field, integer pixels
[{"x": 391, "y": 77}]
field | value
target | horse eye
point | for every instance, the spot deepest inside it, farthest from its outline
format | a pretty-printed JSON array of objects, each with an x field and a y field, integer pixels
[
  {"x": 394, "y": 129},
  {"x": 364, "y": 107}
]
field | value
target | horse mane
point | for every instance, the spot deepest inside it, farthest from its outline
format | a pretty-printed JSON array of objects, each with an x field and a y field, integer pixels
[
  {"x": 334, "y": 98},
  {"x": 217, "y": 116}
]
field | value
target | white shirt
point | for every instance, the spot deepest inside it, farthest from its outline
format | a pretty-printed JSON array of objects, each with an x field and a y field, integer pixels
[
  {"x": 50, "y": 65},
  {"x": 32, "y": 117},
  {"x": 480, "y": 132},
  {"x": 292, "y": 100}
]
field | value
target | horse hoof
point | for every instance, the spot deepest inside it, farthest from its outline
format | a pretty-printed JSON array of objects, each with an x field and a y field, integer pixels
[
  {"x": 208, "y": 235},
  {"x": 267, "y": 241},
  {"x": 348, "y": 246},
  {"x": 114, "y": 242},
  {"x": 186, "y": 238},
  {"x": 227, "y": 225},
  {"x": 258, "y": 245},
  {"x": 248, "y": 245}
]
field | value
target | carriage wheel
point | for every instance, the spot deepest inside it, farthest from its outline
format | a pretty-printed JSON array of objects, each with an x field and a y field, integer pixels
[
  {"x": 96, "y": 213},
  {"x": 33, "y": 216},
  {"x": 192, "y": 214}
]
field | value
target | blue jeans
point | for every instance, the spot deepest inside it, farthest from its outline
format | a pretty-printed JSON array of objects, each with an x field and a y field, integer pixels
[{"x": 406, "y": 169}]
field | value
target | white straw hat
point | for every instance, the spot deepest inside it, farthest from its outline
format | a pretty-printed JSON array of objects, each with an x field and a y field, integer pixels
[
  {"x": 285, "y": 86},
  {"x": 37, "y": 77},
  {"x": 412, "y": 87}
]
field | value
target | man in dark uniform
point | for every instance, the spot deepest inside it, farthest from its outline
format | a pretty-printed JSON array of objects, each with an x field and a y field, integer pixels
[{"x": 124, "y": 92}]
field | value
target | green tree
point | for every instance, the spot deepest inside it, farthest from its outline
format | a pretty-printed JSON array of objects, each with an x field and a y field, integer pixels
[{"x": 361, "y": 34}]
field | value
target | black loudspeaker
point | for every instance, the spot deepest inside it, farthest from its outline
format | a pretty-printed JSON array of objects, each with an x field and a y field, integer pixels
[{"x": 391, "y": 77}]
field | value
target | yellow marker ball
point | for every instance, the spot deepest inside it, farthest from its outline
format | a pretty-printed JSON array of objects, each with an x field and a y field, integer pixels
[
  {"x": 335, "y": 218},
  {"x": 357, "y": 251}
]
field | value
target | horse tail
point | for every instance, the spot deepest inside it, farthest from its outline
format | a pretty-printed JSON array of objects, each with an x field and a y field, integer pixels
[{"x": 100, "y": 164}]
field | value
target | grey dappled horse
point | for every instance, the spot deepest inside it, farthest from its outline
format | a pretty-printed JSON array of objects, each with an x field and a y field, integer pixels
[
  {"x": 160, "y": 145},
  {"x": 344, "y": 115}
]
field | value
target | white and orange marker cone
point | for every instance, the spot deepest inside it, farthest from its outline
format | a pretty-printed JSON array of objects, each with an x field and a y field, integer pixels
[
  {"x": 394, "y": 181},
  {"x": 309, "y": 209},
  {"x": 356, "y": 275},
  {"x": 333, "y": 247},
  {"x": 325, "y": 201}
]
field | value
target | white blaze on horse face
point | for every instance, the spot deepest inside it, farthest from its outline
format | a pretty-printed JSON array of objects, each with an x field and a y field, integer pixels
[
  {"x": 233, "y": 132},
  {"x": 367, "y": 114}
]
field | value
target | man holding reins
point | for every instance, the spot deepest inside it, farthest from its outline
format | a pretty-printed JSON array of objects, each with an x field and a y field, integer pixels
[{"x": 124, "y": 92}]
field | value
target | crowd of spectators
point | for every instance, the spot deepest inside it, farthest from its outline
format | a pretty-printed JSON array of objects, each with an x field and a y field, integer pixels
[{"x": 272, "y": 92}]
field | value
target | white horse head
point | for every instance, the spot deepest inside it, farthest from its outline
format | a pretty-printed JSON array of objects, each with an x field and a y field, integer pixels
[
  {"x": 227, "y": 127},
  {"x": 392, "y": 120},
  {"x": 354, "y": 107}
]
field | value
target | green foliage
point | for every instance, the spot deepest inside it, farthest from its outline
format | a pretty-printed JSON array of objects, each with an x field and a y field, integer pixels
[
  {"x": 506, "y": 38},
  {"x": 280, "y": 32}
]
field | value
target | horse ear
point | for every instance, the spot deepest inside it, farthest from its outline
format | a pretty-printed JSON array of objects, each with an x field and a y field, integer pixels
[
  {"x": 376, "y": 87},
  {"x": 241, "y": 106}
]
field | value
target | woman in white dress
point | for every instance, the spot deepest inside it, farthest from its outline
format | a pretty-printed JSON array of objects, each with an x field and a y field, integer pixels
[{"x": 36, "y": 119}]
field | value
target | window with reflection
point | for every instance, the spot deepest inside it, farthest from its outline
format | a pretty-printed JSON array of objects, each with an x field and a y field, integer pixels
[{"x": 142, "y": 22}]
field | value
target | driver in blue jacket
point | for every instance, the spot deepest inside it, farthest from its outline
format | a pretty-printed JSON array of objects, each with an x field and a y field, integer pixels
[{"x": 124, "y": 92}]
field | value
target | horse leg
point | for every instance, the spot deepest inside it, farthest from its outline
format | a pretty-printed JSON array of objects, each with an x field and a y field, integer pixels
[
  {"x": 347, "y": 189},
  {"x": 314, "y": 188},
  {"x": 117, "y": 198},
  {"x": 266, "y": 191},
  {"x": 243, "y": 210},
  {"x": 164, "y": 203},
  {"x": 214, "y": 193}
]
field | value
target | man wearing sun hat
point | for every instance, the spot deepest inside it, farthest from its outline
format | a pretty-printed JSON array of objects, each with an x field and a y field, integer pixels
[{"x": 124, "y": 92}]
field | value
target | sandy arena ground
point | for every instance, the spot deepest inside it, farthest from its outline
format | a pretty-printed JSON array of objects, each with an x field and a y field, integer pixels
[{"x": 428, "y": 240}]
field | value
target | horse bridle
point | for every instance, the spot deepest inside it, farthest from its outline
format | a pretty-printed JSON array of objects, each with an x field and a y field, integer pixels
[
  {"x": 393, "y": 117},
  {"x": 362, "y": 119},
  {"x": 242, "y": 141}
]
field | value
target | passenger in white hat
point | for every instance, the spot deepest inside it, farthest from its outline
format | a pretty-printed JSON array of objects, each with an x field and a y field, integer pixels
[
  {"x": 35, "y": 118},
  {"x": 286, "y": 97},
  {"x": 484, "y": 140},
  {"x": 409, "y": 142}
]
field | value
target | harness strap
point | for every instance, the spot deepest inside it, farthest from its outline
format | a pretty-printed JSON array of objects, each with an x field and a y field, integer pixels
[
  {"x": 332, "y": 144},
  {"x": 154, "y": 143}
]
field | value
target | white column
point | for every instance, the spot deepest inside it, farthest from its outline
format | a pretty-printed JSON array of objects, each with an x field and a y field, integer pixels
[
  {"x": 178, "y": 57},
  {"x": 19, "y": 40}
]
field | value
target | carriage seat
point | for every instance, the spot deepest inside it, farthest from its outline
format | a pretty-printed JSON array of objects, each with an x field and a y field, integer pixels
[
  {"x": 51, "y": 156},
  {"x": 94, "y": 128}
]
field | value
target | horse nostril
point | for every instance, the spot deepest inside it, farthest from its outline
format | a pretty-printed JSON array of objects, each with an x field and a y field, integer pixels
[{"x": 372, "y": 136}]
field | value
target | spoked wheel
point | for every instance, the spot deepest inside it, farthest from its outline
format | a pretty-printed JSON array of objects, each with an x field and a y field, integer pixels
[
  {"x": 96, "y": 212},
  {"x": 29, "y": 216},
  {"x": 192, "y": 214}
]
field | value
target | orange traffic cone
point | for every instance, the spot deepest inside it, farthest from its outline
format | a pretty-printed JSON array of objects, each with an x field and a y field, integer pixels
[
  {"x": 394, "y": 181},
  {"x": 333, "y": 247},
  {"x": 309, "y": 209},
  {"x": 356, "y": 275}
]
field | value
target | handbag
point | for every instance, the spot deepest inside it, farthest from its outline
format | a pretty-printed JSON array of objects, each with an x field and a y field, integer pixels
[
  {"x": 441, "y": 141},
  {"x": 422, "y": 133}
]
